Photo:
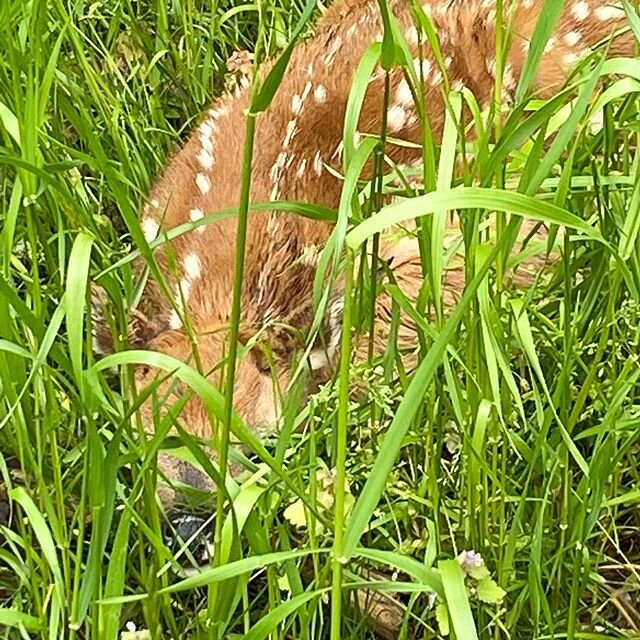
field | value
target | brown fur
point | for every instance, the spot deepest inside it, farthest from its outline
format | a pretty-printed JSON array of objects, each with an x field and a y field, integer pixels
[{"x": 297, "y": 139}]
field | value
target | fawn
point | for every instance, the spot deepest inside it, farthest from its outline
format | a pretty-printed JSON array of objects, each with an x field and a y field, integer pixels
[{"x": 298, "y": 143}]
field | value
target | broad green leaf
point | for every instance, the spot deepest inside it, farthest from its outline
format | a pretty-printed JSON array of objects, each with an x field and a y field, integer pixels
[
  {"x": 13, "y": 618},
  {"x": 490, "y": 592},
  {"x": 442, "y": 618}
]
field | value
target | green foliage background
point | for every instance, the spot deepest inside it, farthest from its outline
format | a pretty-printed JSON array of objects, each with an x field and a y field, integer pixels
[{"x": 520, "y": 438}]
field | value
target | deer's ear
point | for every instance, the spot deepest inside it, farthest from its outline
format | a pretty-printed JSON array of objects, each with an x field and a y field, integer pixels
[{"x": 140, "y": 329}]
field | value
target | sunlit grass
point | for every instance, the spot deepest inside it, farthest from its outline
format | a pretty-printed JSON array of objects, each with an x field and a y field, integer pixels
[{"x": 517, "y": 435}]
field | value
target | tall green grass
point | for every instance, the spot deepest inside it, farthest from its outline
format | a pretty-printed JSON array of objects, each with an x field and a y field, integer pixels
[{"x": 517, "y": 436}]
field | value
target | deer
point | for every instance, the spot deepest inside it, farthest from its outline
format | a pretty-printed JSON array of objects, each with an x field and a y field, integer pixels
[{"x": 297, "y": 158}]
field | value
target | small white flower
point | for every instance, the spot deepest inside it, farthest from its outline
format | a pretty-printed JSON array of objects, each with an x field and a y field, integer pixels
[{"x": 470, "y": 560}]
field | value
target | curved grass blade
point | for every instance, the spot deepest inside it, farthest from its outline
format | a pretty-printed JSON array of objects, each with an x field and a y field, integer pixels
[
  {"x": 267, "y": 91},
  {"x": 48, "y": 549},
  {"x": 267, "y": 625},
  {"x": 238, "y": 568},
  {"x": 549, "y": 15},
  {"x": 213, "y": 399},
  {"x": 116, "y": 573},
  {"x": 469, "y": 198},
  {"x": 425, "y": 576},
  {"x": 76, "y": 285},
  {"x": 457, "y": 600}
]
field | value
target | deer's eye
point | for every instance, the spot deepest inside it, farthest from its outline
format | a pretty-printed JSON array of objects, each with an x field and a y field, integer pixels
[
  {"x": 263, "y": 367},
  {"x": 261, "y": 361}
]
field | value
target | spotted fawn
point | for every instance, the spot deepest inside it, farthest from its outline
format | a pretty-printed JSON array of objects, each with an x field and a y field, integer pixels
[{"x": 297, "y": 157}]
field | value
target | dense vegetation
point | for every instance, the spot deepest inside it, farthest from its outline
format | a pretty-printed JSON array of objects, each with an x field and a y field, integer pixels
[{"x": 517, "y": 438}]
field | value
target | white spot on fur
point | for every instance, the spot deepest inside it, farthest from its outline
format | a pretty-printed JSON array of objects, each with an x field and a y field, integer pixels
[
  {"x": 332, "y": 52},
  {"x": 551, "y": 44},
  {"x": 192, "y": 266},
  {"x": 412, "y": 35},
  {"x": 320, "y": 94},
  {"x": 206, "y": 129},
  {"x": 317, "y": 163},
  {"x": 284, "y": 160},
  {"x": 396, "y": 117},
  {"x": 174, "y": 320},
  {"x": 423, "y": 68},
  {"x": 262, "y": 285},
  {"x": 244, "y": 82},
  {"x": 403, "y": 93},
  {"x": 219, "y": 112},
  {"x": 207, "y": 144},
  {"x": 203, "y": 183},
  {"x": 569, "y": 59},
  {"x": 195, "y": 215},
  {"x": 154, "y": 202},
  {"x": 150, "y": 229},
  {"x": 292, "y": 129},
  {"x": 274, "y": 173},
  {"x": 609, "y": 12},
  {"x": 572, "y": 38},
  {"x": 205, "y": 159},
  {"x": 335, "y": 324},
  {"x": 310, "y": 255},
  {"x": 281, "y": 161},
  {"x": 296, "y": 104},
  {"x": 302, "y": 168},
  {"x": 580, "y": 10},
  {"x": 97, "y": 347}
]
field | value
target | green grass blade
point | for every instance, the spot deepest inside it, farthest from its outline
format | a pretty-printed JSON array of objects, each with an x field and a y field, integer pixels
[
  {"x": 457, "y": 600},
  {"x": 468, "y": 198}
]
